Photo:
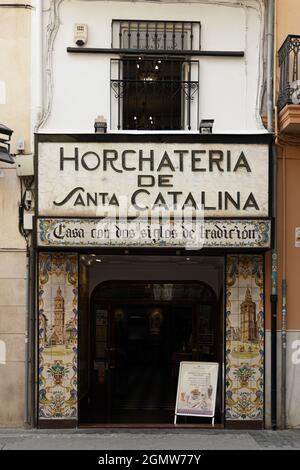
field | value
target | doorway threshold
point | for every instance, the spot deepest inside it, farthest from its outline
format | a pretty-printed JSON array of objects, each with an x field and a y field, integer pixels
[{"x": 149, "y": 426}]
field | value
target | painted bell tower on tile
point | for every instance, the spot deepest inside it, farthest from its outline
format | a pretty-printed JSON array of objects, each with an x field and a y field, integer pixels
[
  {"x": 58, "y": 335},
  {"x": 249, "y": 330}
]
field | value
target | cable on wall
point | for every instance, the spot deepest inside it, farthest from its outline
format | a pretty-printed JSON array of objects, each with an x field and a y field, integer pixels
[{"x": 52, "y": 30}]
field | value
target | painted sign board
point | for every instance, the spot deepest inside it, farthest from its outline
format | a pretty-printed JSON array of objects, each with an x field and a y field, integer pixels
[
  {"x": 85, "y": 233},
  {"x": 197, "y": 389},
  {"x": 101, "y": 179}
]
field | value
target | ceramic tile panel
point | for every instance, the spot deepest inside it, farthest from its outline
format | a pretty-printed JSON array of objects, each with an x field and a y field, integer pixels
[
  {"x": 58, "y": 328},
  {"x": 245, "y": 338}
]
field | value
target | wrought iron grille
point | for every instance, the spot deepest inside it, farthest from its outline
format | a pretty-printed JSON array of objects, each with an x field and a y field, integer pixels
[
  {"x": 154, "y": 94},
  {"x": 289, "y": 71},
  {"x": 156, "y": 35}
]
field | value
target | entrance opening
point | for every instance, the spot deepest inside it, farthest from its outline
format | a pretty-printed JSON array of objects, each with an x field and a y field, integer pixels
[{"x": 139, "y": 318}]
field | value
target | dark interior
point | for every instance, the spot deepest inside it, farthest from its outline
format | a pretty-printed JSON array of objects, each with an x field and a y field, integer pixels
[
  {"x": 140, "y": 332},
  {"x": 152, "y": 94}
]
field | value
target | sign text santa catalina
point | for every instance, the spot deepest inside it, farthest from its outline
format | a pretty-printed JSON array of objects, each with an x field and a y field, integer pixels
[{"x": 94, "y": 179}]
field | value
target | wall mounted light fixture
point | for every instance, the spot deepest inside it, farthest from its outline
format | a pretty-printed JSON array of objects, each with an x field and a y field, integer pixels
[
  {"x": 100, "y": 125},
  {"x": 206, "y": 126}
]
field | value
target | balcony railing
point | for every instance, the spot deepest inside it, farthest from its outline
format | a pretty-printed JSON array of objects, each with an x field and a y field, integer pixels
[{"x": 289, "y": 92}]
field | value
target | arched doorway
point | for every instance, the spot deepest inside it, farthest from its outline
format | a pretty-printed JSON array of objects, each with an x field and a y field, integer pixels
[{"x": 140, "y": 331}]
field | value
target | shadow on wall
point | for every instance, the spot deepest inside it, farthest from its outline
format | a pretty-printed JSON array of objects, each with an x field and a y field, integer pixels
[{"x": 2, "y": 352}]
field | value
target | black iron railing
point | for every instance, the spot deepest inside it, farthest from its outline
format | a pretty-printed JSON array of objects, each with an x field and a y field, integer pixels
[
  {"x": 154, "y": 94},
  {"x": 289, "y": 92},
  {"x": 156, "y": 35}
]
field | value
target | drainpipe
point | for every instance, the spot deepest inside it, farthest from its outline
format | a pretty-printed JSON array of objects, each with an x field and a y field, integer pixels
[
  {"x": 27, "y": 346},
  {"x": 274, "y": 299},
  {"x": 274, "y": 261},
  {"x": 33, "y": 340},
  {"x": 270, "y": 64},
  {"x": 30, "y": 340},
  {"x": 30, "y": 334},
  {"x": 284, "y": 301},
  {"x": 39, "y": 62}
]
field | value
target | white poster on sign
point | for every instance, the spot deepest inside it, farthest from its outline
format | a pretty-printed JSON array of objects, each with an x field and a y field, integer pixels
[{"x": 197, "y": 389}]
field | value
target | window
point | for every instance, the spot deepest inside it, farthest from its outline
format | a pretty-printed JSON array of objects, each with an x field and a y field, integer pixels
[
  {"x": 154, "y": 93},
  {"x": 153, "y": 85}
]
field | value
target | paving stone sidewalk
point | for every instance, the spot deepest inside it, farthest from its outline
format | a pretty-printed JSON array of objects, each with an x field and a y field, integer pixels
[{"x": 148, "y": 440}]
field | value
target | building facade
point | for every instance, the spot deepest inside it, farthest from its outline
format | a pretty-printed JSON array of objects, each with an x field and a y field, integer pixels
[
  {"x": 126, "y": 91},
  {"x": 154, "y": 227},
  {"x": 287, "y": 131},
  {"x": 15, "y": 113}
]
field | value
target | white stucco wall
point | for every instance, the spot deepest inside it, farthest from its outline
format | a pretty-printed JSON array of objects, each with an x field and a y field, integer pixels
[{"x": 229, "y": 87}]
